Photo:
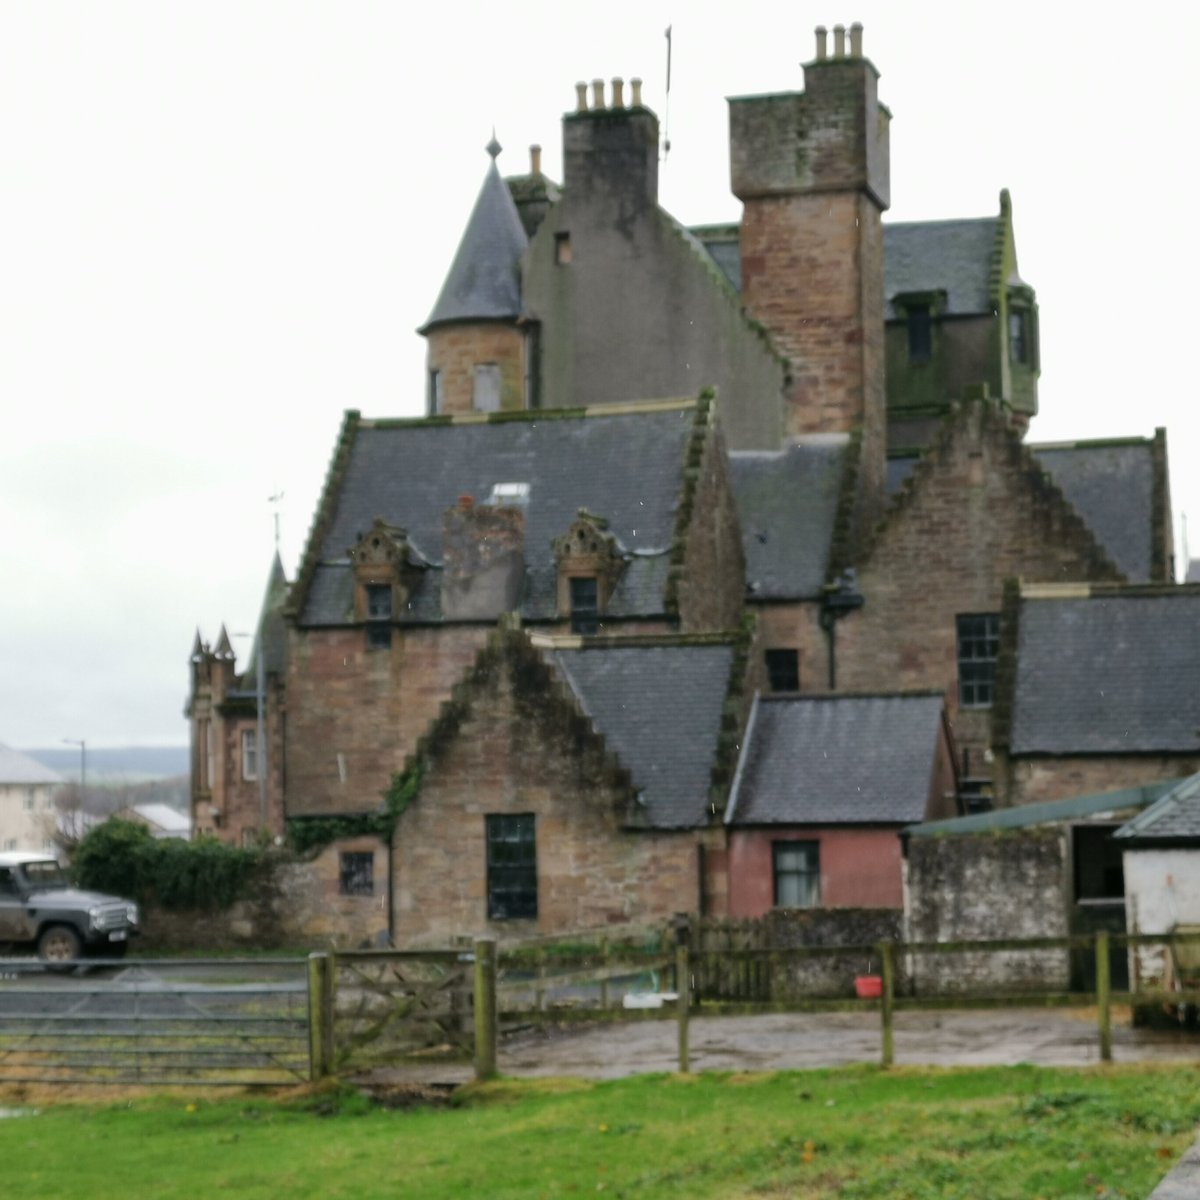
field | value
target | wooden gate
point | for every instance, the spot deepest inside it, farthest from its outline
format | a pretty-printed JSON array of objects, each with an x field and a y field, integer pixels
[{"x": 390, "y": 1005}]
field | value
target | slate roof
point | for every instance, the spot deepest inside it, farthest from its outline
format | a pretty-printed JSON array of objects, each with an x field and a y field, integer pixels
[
  {"x": 271, "y": 630},
  {"x": 1108, "y": 674},
  {"x": 484, "y": 282},
  {"x": 624, "y": 466},
  {"x": 1111, "y": 486},
  {"x": 16, "y": 767},
  {"x": 1174, "y": 817},
  {"x": 837, "y": 760},
  {"x": 950, "y": 256},
  {"x": 659, "y": 709},
  {"x": 787, "y": 501},
  {"x": 919, "y": 256}
]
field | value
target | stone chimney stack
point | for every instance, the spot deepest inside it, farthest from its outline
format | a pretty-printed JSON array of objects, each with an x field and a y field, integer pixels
[
  {"x": 610, "y": 148},
  {"x": 483, "y": 560},
  {"x": 811, "y": 169}
]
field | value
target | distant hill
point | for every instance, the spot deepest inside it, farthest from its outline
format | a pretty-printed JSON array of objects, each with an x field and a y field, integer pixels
[{"x": 127, "y": 764}]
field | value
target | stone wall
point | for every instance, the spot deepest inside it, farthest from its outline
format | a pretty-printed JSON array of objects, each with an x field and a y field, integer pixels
[
  {"x": 833, "y": 976},
  {"x": 977, "y": 512},
  {"x": 354, "y": 715},
  {"x": 1033, "y": 780},
  {"x": 972, "y": 887},
  {"x": 296, "y": 904},
  {"x": 456, "y": 350}
]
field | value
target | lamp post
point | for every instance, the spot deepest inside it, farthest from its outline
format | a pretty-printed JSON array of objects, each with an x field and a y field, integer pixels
[{"x": 82, "y": 744}]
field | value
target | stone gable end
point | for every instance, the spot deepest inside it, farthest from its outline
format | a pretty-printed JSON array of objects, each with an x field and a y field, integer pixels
[{"x": 518, "y": 749}]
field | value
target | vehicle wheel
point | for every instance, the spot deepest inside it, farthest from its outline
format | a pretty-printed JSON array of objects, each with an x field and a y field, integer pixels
[{"x": 59, "y": 947}]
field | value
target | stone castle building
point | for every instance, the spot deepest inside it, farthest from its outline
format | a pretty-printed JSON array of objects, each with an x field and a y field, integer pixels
[{"x": 686, "y": 593}]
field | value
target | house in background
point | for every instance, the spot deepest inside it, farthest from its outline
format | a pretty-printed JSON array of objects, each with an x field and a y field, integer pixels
[
  {"x": 161, "y": 820},
  {"x": 784, "y": 457},
  {"x": 27, "y": 812}
]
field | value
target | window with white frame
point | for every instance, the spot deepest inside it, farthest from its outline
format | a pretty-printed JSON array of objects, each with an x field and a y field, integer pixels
[{"x": 249, "y": 753}]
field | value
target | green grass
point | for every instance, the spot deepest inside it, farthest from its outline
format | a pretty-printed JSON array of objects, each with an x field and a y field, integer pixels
[{"x": 990, "y": 1134}]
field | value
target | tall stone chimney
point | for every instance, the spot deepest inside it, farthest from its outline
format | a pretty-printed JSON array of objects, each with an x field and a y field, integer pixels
[
  {"x": 610, "y": 148},
  {"x": 811, "y": 169}
]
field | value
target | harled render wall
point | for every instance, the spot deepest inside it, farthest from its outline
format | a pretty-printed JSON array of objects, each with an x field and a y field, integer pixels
[
  {"x": 369, "y": 706},
  {"x": 512, "y": 754}
]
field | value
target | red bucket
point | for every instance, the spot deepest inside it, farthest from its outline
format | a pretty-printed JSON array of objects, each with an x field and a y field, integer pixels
[{"x": 868, "y": 987}]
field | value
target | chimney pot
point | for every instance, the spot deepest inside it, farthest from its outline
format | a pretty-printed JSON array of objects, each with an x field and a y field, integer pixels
[
  {"x": 597, "y": 93},
  {"x": 856, "y": 40},
  {"x": 535, "y": 160},
  {"x": 635, "y": 87},
  {"x": 839, "y": 41},
  {"x": 465, "y": 501},
  {"x": 581, "y": 97},
  {"x": 618, "y": 93},
  {"x": 822, "y": 43}
]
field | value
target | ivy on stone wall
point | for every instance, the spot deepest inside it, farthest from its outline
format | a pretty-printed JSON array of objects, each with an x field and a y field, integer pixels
[
  {"x": 123, "y": 859},
  {"x": 314, "y": 833}
]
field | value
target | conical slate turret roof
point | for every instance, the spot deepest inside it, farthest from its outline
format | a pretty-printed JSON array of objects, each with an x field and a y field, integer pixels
[
  {"x": 271, "y": 633},
  {"x": 484, "y": 283}
]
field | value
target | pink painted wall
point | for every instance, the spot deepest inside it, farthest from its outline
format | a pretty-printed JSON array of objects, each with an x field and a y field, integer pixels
[{"x": 860, "y": 868}]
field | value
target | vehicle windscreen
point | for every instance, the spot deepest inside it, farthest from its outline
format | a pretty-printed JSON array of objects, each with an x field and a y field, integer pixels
[{"x": 45, "y": 874}]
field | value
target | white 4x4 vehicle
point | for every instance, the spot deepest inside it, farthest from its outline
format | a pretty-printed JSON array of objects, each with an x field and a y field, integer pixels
[{"x": 40, "y": 908}]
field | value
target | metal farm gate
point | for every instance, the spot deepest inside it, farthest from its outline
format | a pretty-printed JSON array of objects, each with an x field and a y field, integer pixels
[{"x": 237, "y": 1022}]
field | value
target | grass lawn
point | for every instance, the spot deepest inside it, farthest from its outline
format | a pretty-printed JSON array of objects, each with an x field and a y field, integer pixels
[{"x": 989, "y": 1134}]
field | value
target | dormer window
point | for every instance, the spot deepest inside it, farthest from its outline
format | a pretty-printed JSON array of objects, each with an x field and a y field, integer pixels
[
  {"x": 590, "y": 563},
  {"x": 383, "y": 577},
  {"x": 585, "y": 605}
]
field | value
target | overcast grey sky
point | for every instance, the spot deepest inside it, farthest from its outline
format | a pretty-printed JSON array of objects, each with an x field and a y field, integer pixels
[{"x": 222, "y": 223}]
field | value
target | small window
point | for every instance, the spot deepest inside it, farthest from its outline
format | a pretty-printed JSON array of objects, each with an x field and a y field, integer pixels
[
  {"x": 249, "y": 754},
  {"x": 783, "y": 670},
  {"x": 1099, "y": 866},
  {"x": 487, "y": 388},
  {"x": 585, "y": 605},
  {"x": 379, "y": 613},
  {"x": 562, "y": 249},
  {"x": 978, "y": 646},
  {"x": 920, "y": 333},
  {"x": 797, "y": 868},
  {"x": 30, "y": 800},
  {"x": 357, "y": 875},
  {"x": 511, "y": 867},
  {"x": 1018, "y": 335},
  {"x": 435, "y": 393}
]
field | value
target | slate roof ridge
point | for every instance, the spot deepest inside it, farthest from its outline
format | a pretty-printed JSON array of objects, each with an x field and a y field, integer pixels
[
  {"x": 628, "y": 641},
  {"x": 943, "y": 221},
  {"x": 814, "y": 697},
  {"x": 1093, "y": 443},
  {"x": 1034, "y": 473},
  {"x": 323, "y": 517},
  {"x": 566, "y": 413}
]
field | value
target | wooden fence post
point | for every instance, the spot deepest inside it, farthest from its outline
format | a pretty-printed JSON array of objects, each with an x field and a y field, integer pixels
[
  {"x": 1104, "y": 997},
  {"x": 604, "y": 960},
  {"x": 320, "y": 1015},
  {"x": 887, "y": 955},
  {"x": 683, "y": 994},
  {"x": 485, "y": 1008}
]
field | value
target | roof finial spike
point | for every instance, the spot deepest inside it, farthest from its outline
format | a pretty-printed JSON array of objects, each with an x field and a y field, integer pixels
[{"x": 493, "y": 147}]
